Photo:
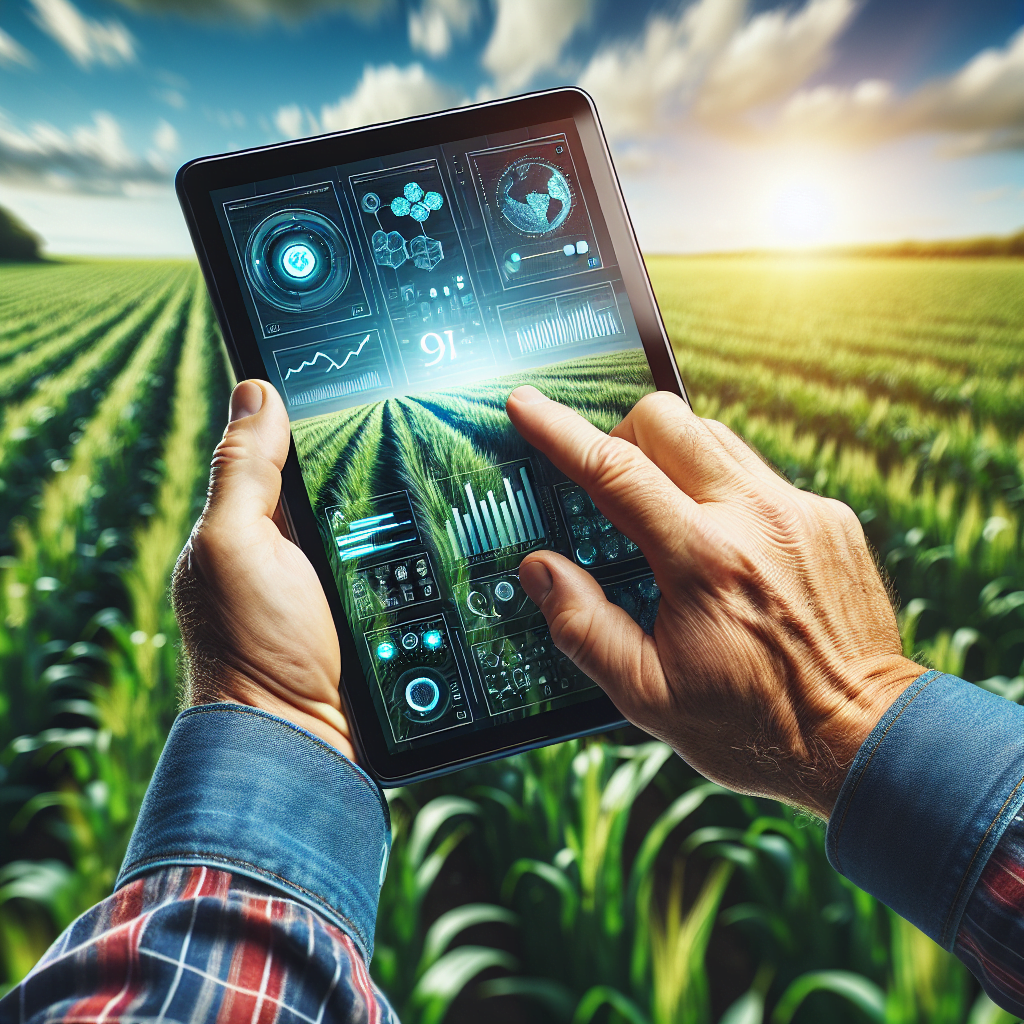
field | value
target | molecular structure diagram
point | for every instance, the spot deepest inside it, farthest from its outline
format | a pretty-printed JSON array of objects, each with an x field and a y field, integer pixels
[
  {"x": 390, "y": 249},
  {"x": 413, "y": 202}
]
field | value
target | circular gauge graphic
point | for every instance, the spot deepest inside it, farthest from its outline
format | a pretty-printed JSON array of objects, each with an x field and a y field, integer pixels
[
  {"x": 422, "y": 694},
  {"x": 298, "y": 260},
  {"x": 534, "y": 196}
]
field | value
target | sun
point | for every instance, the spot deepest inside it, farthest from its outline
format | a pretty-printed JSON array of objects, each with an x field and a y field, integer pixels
[
  {"x": 802, "y": 212},
  {"x": 803, "y": 208}
]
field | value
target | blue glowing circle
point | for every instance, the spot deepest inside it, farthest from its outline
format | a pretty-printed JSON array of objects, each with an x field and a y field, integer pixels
[
  {"x": 433, "y": 201},
  {"x": 569, "y": 249},
  {"x": 515, "y": 257},
  {"x": 432, "y": 639},
  {"x": 504, "y": 591},
  {"x": 422, "y": 695},
  {"x": 413, "y": 192},
  {"x": 400, "y": 206},
  {"x": 419, "y": 212},
  {"x": 298, "y": 261},
  {"x": 586, "y": 553},
  {"x": 386, "y": 650},
  {"x": 371, "y": 202}
]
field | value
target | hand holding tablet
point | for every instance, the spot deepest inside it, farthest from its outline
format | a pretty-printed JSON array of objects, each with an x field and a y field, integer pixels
[{"x": 395, "y": 284}]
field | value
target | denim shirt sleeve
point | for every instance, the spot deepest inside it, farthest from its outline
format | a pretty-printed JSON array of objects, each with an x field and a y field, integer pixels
[
  {"x": 927, "y": 799},
  {"x": 247, "y": 792}
]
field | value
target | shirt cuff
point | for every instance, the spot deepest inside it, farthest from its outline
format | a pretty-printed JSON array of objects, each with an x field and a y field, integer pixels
[
  {"x": 242, "y": 790},
  {"x": 927, "y": 799}
]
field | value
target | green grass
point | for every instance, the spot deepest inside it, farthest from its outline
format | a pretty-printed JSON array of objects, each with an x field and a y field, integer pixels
[{"x": 587, "y": 882}]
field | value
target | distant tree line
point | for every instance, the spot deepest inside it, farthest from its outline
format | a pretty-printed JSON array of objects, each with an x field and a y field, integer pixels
[
  {"x": 1006, "y": 245},
  {"x": 17, "y": 242}
]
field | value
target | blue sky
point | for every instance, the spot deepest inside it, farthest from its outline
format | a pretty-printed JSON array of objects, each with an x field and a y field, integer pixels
[{"x": 734, "y": 123}]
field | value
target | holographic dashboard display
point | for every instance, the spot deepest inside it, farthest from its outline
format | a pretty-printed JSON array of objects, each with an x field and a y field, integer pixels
[{"x": 397, "y": 302}]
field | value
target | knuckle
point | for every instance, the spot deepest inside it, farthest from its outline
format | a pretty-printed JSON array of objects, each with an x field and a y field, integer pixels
[
  {"x": 609, "y": 463},
  {"x": 658, "y": 404},
  {"x": 572, "y": 631}
]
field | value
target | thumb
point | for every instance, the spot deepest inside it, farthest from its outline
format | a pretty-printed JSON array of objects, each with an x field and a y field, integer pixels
[
  {"x": 599, "y": 637},
  {"x": 245, "y": 475}
]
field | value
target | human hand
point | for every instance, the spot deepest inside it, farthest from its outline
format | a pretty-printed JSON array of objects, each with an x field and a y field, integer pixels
[
  {"x": 775, "y": 651},
  {"x": 255, "y": 624}
]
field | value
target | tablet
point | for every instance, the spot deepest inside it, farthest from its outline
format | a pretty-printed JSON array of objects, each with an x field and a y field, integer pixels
[{"x": 395, "y": 283}]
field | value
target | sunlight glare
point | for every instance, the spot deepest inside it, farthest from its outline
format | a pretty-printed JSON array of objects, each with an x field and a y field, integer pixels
[{"x": 803, "y": 213}]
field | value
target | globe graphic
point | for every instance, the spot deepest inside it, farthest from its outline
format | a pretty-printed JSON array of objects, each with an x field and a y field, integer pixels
[{"x": 534, "y": 196}]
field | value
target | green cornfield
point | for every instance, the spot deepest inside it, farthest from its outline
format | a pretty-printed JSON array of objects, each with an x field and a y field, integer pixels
[{"x": 598, "y": 880}]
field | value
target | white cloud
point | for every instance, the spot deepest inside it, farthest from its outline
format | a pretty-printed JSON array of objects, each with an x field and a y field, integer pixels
[
  {"x": 385, "y": 93},
  {"x": 259, "y": 11},
  {"x": 289, "y": 120},
  {"x": 635, "y": 84},
  {"x": 773, "y": 54},
  {"x": 172, "y": 97},
  {"x": 165, "y": 138},
  {"x": 12, "y": 52},
  {"x": 528, "y": 37},
  {"x": 92, "y": 158},
  {"x": 978, "y": 109},
  {"x": 436, "y": 24},
  {"x": 86, "y": 40}
]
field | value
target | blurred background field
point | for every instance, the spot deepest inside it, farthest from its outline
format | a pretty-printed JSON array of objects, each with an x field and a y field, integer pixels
[{"x": 593, "y": 881}]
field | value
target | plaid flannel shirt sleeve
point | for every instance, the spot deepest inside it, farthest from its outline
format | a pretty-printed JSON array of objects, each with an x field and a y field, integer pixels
[
  {"x": 991, "y": 936},
  {"x": 199, "y": 944},
  {"x": 248, "y": 893}
]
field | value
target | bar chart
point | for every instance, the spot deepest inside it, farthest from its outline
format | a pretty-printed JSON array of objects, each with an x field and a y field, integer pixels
[
  {"x": 539, "y": 324},
  {"x": 492, "y": 511}
]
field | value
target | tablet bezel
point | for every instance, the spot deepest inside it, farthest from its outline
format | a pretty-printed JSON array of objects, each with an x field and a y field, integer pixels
[{"x": 195, "y": 182}]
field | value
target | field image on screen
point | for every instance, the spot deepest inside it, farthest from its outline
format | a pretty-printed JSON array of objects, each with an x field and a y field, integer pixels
[{"x": 397, "y": 302}]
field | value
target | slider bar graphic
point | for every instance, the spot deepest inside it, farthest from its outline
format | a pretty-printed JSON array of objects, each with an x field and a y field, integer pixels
[
  {"x": 366, "y": 536},
  {"x": 492, "y": 525}
]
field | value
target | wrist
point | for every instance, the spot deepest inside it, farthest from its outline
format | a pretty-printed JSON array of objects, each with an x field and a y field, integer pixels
[
  {"x": 870, "y": 688},
  {"x": 323, "y": 720}
]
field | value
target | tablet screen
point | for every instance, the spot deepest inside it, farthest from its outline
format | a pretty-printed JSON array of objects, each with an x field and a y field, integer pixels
[{"x": 396, "y": 302}]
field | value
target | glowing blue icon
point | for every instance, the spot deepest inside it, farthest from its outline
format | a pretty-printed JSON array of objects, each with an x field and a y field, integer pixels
[
  {"x": 515, "y": 257},
  {"x": 593, "y": 262},
  {"x": 569, "y": 249},
  {"x": 582, "y": 247},
  {"x": 386, "y": 650},
  {"x": 298, "y": 260},
  {"x": 422, "y": 695},
  {"x": 433, "y": 293},
  {"x": 413, "y": 192},
  {"x": 433, "y": 201},
  {"x": 447, "y": 291},
  {"x": 459, "y": 283},
  {"x": 419, "y": 212},
  {"x": 371, "y": 202},
  {"x": 400, "y": 206},
  {"x": 432, "y": 639}
]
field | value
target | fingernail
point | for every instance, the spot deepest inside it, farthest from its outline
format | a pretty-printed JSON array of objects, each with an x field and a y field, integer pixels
[
  {"x": 535, "y": 580},
  {"x": 246, "y": 399},
  {"x": 528, "y": 394}
]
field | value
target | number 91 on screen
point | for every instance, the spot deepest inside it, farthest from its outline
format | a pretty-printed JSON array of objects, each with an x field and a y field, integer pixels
[{"x": 444, "y": 350}]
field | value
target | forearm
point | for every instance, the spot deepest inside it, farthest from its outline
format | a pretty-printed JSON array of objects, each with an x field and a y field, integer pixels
[{"x": 928, "y": 820}]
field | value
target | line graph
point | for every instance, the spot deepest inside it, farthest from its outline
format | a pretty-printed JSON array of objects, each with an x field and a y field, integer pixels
[
  {"x": 332, "y": 365},
  {"x": 329, "y": 371}
]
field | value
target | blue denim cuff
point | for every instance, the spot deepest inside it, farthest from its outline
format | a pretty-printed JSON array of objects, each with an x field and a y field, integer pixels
[
  {"x": 247, "y": 792},
  {"x": 928, "y": 798}
]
